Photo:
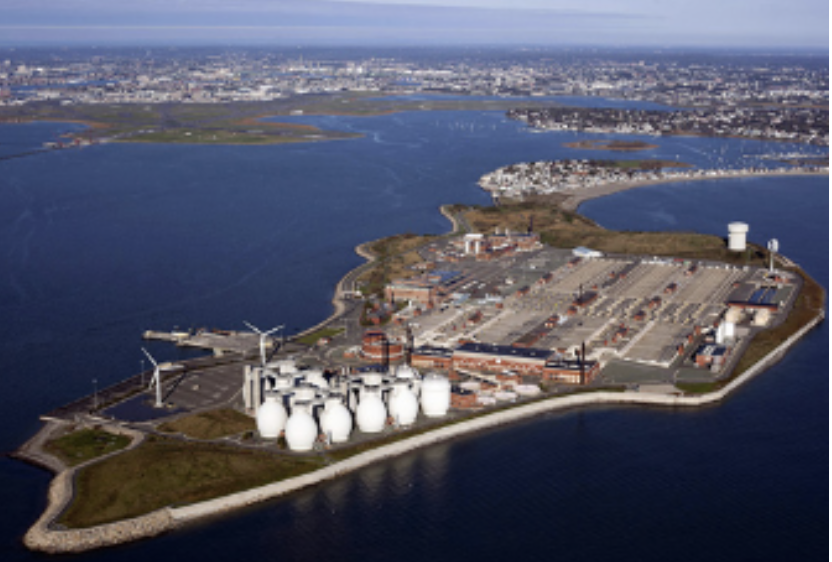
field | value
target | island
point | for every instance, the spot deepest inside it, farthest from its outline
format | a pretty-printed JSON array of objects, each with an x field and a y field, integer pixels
[
  {"x": 614, "y": 145},
  {"x": 523, "y": 308}
]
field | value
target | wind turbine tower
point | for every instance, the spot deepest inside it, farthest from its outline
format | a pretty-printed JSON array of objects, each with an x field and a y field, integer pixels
[
  {"x": 157, "y": 379},
  {"x": 263, "y": 336}
]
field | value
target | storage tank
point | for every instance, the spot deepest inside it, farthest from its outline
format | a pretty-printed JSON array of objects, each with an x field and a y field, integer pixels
[
  {"x": 336, "y": 420},
  {"x": 315, "y": 377},
  {"x": 371, "y": 413},
  {"x": 284, "y": 382},
  {"x": 285, "y": 366},
  {"x": 301, "y": 429},
  {"x": 406, "y": 372},
  {"x": 372, "y": 378},
  {"x": 304, "y": 392},
  {"x": 271, "y": 417},
  {"x": 736, "y": 236},
  {"x": 436, "y": 395},
  {"x": 403, "y": 404},
  {"x": 734, "y": 315}
]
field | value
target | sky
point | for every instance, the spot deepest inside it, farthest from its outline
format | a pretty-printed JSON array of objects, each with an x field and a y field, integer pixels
[{"x": 661, "y": 23}]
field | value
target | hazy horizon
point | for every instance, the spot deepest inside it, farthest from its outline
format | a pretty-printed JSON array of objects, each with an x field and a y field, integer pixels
[{"x": 745, "y": 24}]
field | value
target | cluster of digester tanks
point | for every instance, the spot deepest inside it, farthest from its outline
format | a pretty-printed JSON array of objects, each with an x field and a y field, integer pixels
[{"x": 304, "y": 405}]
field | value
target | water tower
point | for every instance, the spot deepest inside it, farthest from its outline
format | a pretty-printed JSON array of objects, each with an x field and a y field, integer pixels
[
  {"x": 736, "y": 236},
  {"x": 773, "y": 248}
]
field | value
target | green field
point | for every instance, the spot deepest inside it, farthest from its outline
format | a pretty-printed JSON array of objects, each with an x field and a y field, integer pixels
[
  {"x": 212, "y": 424},
  {"x": 85, "y": 444},
  {"x": 312, "y": 339},
  {"x": 162, "y": 472}
]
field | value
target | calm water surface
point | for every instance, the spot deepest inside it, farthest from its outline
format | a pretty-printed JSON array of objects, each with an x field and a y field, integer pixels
[{"x": 99, "y": 244}]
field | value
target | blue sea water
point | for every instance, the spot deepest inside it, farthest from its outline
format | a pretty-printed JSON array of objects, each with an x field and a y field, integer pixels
[{"x": 101, "y": 243}]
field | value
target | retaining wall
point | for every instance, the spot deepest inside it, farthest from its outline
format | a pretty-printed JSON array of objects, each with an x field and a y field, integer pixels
[{"x": 41, "y": 537}]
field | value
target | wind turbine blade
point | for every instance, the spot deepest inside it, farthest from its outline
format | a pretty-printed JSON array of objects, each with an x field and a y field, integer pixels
[
  {"x": 274, "y": 330},
  {"x": 252, "y": 327},
  {"x": 149, "y": 356}
]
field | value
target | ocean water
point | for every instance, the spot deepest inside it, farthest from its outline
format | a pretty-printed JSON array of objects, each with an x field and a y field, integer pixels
[{"x": 101, "y": 243}]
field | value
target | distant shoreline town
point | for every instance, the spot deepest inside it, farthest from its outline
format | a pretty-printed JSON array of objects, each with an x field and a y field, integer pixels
[
  {"x": 574, "y": 177},
  {"x": 799, "y": 125}
]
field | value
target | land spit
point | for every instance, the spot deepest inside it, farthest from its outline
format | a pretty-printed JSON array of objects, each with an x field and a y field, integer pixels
[
  {"x": 573, "y": 199},
  {"x": 45, "y": 536}
]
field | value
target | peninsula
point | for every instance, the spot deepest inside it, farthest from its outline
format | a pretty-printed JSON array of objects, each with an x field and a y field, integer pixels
[{"x": 506, "y": 317}]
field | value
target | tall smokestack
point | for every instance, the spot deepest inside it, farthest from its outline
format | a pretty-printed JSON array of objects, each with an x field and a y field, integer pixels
[{"x": 582, "y": 359}]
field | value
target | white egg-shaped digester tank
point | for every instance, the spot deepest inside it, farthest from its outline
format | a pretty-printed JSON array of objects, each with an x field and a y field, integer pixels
[
  {"x": 405, "y": 371},
  {"x": 403, "y": 404},
  {"x": 371, "y": 413},
  {"x": 304, "y": 392},
  {"x": 301, "y": 429},
  {"x": 336, "y": 420},
  {"x": 271, "y": 417},
  {"x": 315, "y": 377},
  {"x": 436, "y": 395},
  {"x": 372, "y": 378}
]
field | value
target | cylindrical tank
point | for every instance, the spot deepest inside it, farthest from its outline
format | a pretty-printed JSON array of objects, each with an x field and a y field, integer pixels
[
  {"x": 371, "y": 413},
  {"x": 730, "y": 331},
  {"x": 733, "y": 315},
  {"x": 271, "y": 417},
  {"x": 736, "y": 236},
  {"x": 436, "y": 395},
  {"x": 403, "y": 404},
  {"x": 336, "y": 420},
  {"x": 301, "y": 429}
]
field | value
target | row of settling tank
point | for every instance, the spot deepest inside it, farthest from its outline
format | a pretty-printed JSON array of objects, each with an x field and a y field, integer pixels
[{"x": 321, "y": 407}]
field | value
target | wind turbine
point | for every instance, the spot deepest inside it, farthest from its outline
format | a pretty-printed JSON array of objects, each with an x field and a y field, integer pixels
[
  {"x": 156, "y": 379},
  {"x": 263, "y": 336}
]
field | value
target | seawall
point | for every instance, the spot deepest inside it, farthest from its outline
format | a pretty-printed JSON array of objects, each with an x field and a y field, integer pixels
[
  {"x": 44, "y": 536},
  {"x": 216, "y": 506}
]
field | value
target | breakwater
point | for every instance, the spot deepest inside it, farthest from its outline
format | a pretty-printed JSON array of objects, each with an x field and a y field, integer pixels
[{"x": 43, "y": 536}]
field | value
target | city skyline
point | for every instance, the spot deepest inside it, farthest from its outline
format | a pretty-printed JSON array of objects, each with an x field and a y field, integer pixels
[{"x": 710, "y": 23}]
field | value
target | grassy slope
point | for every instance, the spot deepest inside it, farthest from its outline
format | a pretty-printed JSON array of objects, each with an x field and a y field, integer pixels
[
  {"x": 211, "y": 424},
  {"x": 394, "y": 256}
]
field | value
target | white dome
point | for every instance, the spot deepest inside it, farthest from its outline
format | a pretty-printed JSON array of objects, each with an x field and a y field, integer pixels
[
  {"x": 315, "y": 377},
  {"x": 436, "y": 395},
  {"x": 405, "y": 371},
  {"x": 271, "y": 418},
  {"x": 403, "y": 404},
  {"x": 304, "y": 392},
  {"x": 301, "y": 429},
  {"x": 372, "y": 378},
  {"x": 336, "y": 420},
  {"x": 371, "y": 413}
]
